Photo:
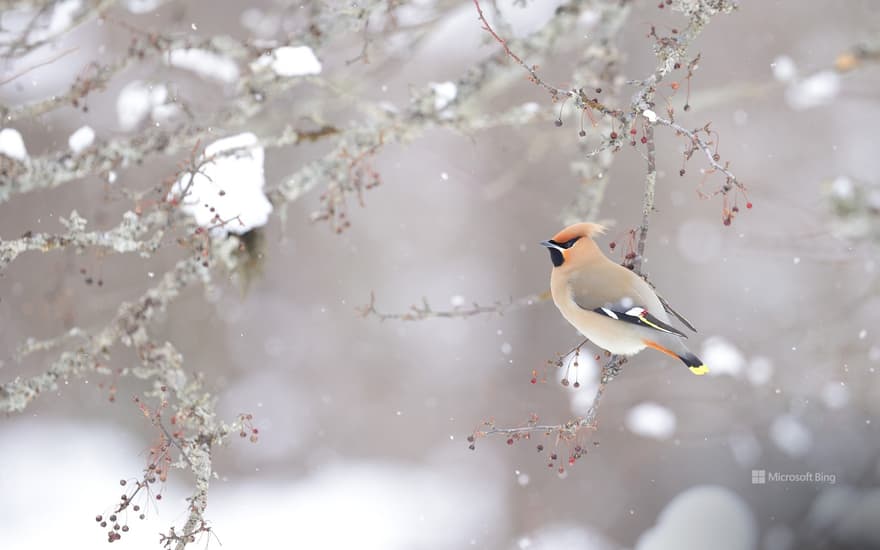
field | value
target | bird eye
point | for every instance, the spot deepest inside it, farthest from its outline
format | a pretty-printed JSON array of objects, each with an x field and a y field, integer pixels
[{"x": 569, "y": 243}]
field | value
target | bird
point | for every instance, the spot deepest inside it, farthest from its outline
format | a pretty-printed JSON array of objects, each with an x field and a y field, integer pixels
[{"x": 608, "y": 303}]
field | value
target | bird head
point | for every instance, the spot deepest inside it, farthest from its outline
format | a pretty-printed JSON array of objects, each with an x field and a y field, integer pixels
[{"x": 573, "y": 243}]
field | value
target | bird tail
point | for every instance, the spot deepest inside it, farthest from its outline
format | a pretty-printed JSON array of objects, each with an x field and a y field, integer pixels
[{"x": 692, "y": 361}]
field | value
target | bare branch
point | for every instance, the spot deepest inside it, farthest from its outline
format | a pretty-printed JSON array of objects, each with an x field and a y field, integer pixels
[{"x": 425, "y": 311}]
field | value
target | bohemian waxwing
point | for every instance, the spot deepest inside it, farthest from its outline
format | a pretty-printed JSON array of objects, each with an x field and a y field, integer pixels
[{"x": 609, "y": 304}]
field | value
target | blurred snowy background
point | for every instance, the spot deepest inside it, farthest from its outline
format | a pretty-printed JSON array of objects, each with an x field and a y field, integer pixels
[{"x": 363, "y": 423}]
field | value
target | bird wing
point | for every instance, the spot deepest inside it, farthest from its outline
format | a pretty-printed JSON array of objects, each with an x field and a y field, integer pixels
[
  {"x": 676, "y": 314},
  {"x": 618, "y": 293},
  {"x": 626, "y": 312}
]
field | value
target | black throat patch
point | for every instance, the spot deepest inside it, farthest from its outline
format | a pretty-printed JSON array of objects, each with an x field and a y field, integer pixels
[{"x": 556, "y": 257}]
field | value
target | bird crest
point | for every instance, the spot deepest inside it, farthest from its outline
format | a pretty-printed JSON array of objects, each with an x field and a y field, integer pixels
[{"x": 585, "y": 229}]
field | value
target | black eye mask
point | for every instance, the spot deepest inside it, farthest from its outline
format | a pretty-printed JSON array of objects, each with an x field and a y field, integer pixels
[{"x": 556, "y": 255}]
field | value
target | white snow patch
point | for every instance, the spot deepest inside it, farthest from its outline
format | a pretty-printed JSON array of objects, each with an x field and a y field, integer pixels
[
  {"x": 290, "y": 61},
  {"x": 588, "y": 18},
  {"x": 791, "y": 436},
  {"x": 813, "y": 91},
  {"x": 31, "y": 449},
  {"x": 842, "y": 188},
  {"x": 385, "y": 507},
  {"x": 567, "y": 537},
  {"x": 651, "y": 420},
  {"x": 165, "y": 112},
  {"x": 784, "y": 69},
  {"x": 12, "y": 144},
  {"x": 204, "y": 63},
  {"x": 835, "y": 395},
  {"x": 81, "y": 139},
  {"x": 650, "y": 115},
  {"x": 142, "y": 6},
  {"x": 722, "y": 357},
  {"x": 444, "y": 94},
  {"x": 705, "y": 516},
  {"x": 136, "y": 101},
  {"x": 227, "y": 193}
]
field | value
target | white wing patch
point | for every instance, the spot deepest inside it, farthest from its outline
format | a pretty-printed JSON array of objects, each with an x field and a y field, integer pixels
[
  {"x": 637, "y": 316},
  {"x": 609, "y": 313}
]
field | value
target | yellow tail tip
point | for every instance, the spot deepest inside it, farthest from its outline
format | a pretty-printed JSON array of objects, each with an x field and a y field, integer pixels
[{"x": 699, "y": 371}]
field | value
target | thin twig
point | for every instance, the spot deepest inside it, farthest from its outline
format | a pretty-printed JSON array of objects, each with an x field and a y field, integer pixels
[
  {"x": 425, "y": 311},
  {"x": 49, "y": 61}
]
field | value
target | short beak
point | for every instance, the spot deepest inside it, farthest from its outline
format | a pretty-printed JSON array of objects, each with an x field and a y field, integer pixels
[{"x": 551, "y": 244}]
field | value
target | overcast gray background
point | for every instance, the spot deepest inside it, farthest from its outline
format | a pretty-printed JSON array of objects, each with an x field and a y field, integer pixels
[{"x": 364, "y": 422}]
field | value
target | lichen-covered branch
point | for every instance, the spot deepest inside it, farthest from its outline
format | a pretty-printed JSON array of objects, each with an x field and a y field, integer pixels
[{"x": 126, "y": 237}]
